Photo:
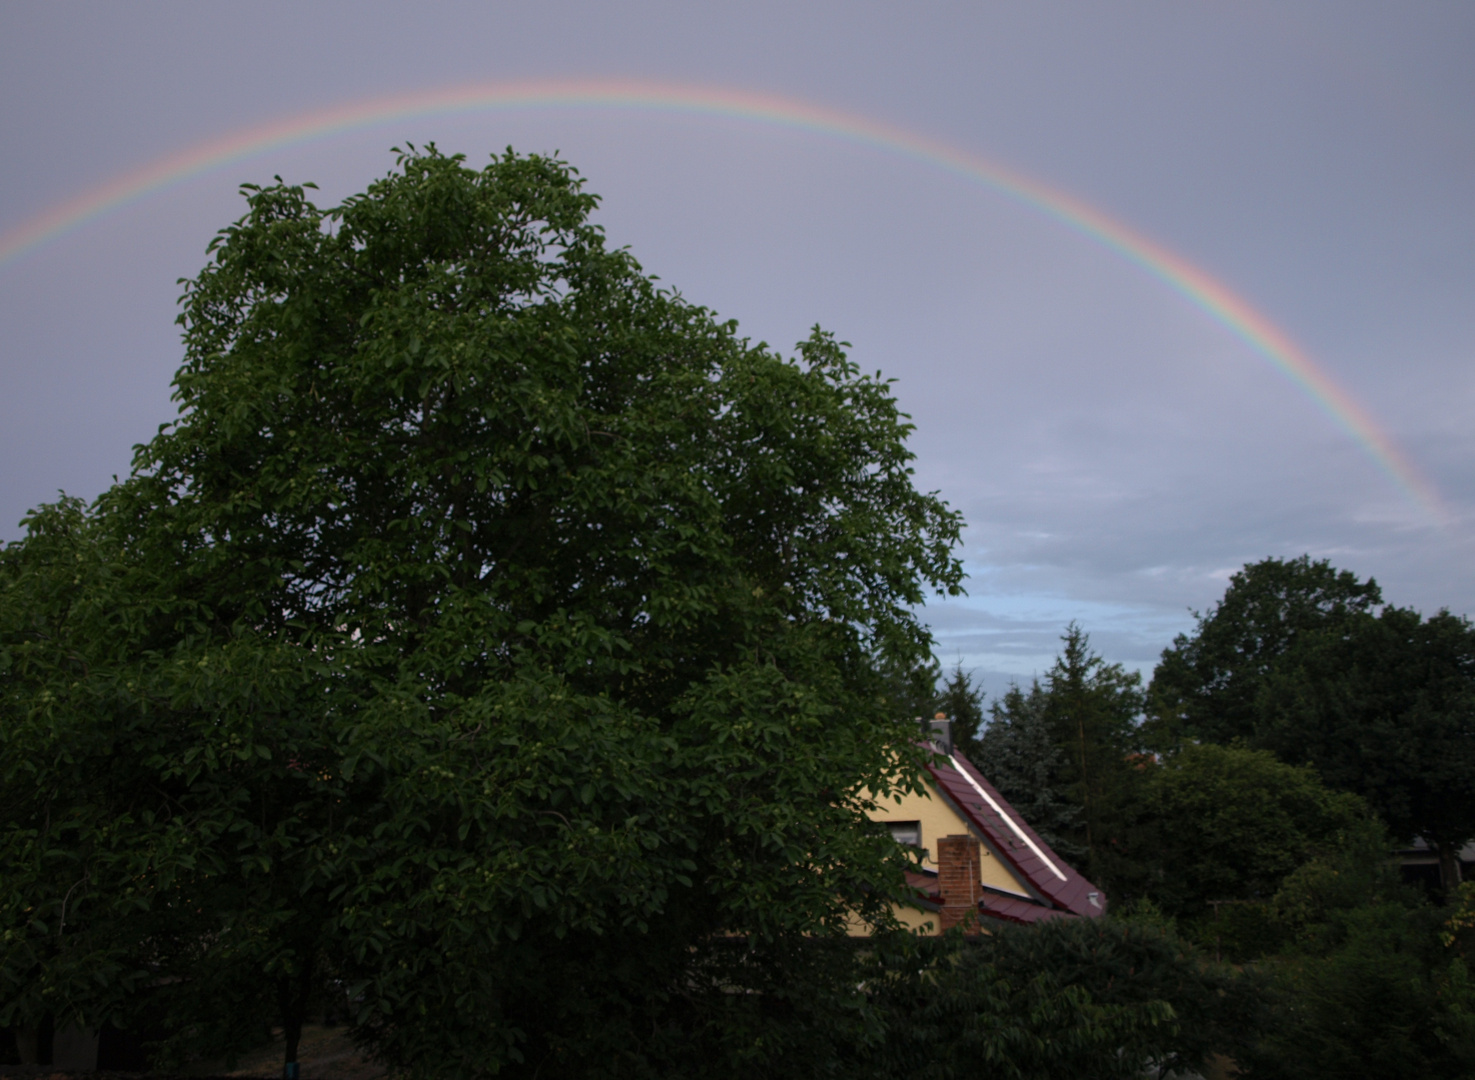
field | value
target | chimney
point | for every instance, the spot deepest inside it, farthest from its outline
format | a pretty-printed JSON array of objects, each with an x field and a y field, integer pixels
[
  {"x": 958, "y": 881},
  {"x": 940, "y": 734}
]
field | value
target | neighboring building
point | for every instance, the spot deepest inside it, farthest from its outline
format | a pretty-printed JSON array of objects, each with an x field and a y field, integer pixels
[
  {"x": 1419, "y": 864},
  {"x": 981, "y": 860}
]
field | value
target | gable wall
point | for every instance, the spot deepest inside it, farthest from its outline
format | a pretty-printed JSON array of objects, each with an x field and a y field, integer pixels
[{"x": 940, "y": 819}]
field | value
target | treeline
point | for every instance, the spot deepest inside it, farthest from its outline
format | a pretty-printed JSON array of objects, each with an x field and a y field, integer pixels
[{"x": 1248, "y": 802}]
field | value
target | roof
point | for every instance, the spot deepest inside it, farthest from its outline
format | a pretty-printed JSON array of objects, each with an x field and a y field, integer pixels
[
  {"x": 994, "y": 904},
  {"x": 1055, "y": 888}
]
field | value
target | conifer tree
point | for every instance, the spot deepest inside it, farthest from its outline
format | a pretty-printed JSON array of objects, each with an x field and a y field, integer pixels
[
  {"x": 962, "y": 703},
  {"x": 1019, "y": 755}
]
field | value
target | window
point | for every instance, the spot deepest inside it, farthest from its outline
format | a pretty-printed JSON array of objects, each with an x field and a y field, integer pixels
[{"x": 906, "y": 832}]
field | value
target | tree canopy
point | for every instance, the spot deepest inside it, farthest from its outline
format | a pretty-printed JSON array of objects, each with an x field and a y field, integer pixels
[
  {"x": 1305, "y": 661},
  {"x": 1206, "y": 684},
  {"x": 1061, "y": 750},
  {"x": 493, "y": 633},
  {"x": 1384, "y": 706},
  {"x": 1222, "y": 823},
  {"x": 1020, "y": 755}
]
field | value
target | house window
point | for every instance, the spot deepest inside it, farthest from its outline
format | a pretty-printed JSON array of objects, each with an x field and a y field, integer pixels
[{"x": 906, "y": 832}]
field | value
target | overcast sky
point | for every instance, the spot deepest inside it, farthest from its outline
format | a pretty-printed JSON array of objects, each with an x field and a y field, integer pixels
[{"x": 1115, "y": 450}]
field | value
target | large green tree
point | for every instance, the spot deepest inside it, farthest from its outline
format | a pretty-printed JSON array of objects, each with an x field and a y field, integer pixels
[
  {"x": 1020, "y": 755},
  {"x": 1303, "y": 660},
  {"x": 1385, "y": 706},
  {"x": 1061, "y": 751},
  {"x": 962, "y": 703},
  {"x": 493, "y": 632},
  {"x": 1221, "y": 823},
  {"x": 1094, "y": 709},
  {"x": 1207, "y": 682}
]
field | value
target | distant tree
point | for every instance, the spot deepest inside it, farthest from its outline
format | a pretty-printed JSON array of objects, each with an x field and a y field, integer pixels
[
  {"x": 1094, "y": 709},
  {"x": 1297, "y": 660},
  {"x": 909, "y": 686},
  {"x": 1062, "y": 751},
  {"x": 1207, "y": 682},
  {"x": 1019, "y": 755},
  {"x": 491, "y": 619},
  {"x": 1221, "y": 823},
  {"x": 1384, "y": 706},
  {"x": 962, "y": 703}
]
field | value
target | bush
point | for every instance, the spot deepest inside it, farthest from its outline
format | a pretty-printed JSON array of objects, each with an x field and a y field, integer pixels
[
  {"x": 1086, "y": 998},
  {"x": 1380, "y": 1003}
]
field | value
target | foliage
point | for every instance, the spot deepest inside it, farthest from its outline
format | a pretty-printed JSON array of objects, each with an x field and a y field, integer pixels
[
  {"x": 1221, "y": 823},
  {"x": 1063, "y": 751},
  {"x": 1380, "y": 1002},
  {"x": 1459, "y": 929},
  {"x": 1382, "y": 706},
  {"x": 1302, "y": 660},
  {"x": 1206, "y": 684},
  {"x": 962, "y": 703},
  {"x": 1142, "y": 913},
  {"x": 1361, "y": 985},
  {"x": 1019, "y": 755},
  {"x": 1093, "y": 709},
  {"x": 1352, "y": 871},
  {"x": 1215, "y": 1010},
  {"x": 168, "y": 803},
  {"x": 1090, "y": 998},
  {"x": 910, "y": 686},
  {"x": 1295, "y": 660},
  {"x": 491, "y": 621}
]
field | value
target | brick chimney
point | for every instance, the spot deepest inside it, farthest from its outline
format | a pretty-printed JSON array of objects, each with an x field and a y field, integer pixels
[{"x": 958, "y": 882}]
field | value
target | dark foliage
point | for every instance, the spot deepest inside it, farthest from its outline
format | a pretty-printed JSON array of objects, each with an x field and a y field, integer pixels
[
  {"x": 962, "y": 703},
  {"x": 1019, "y": 755},
  {"x": 493, "y": 631},
  {"x": 1384, "y": 706},
  {"x": 1220, "y": 823},
  {"x": 1206, "y": 684},
  {"x": 1088, "y": 998},
  {"x": 1296, "y": 660}
]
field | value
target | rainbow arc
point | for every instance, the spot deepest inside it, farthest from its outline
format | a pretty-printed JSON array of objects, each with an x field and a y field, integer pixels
[{"x": 1192, "y": 282}]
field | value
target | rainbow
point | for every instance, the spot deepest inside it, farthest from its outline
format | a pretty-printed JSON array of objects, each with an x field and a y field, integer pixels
[{"x": 1176, "y": 272}]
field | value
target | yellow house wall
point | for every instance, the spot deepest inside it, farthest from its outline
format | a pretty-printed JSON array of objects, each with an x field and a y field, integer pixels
[{"x": 939, "y": 819}]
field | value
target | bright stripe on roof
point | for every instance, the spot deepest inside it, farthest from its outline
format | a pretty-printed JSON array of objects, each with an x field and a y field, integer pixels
[{"x": 1007, "y": 819}]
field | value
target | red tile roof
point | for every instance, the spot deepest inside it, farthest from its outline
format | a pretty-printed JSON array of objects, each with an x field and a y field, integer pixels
[{"x": 1057, "y": 890}]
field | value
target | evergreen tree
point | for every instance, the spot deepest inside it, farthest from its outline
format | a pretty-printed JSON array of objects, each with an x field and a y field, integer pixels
[
  {"x": 909, "y": 686},
  {"x": 962, "y": 703},
  {"x": 1019, "y": 755},
  {"x": 1093, "y": 710}
]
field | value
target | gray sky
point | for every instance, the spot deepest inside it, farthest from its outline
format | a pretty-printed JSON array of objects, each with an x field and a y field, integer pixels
[{"x": 1116, "y": 452}]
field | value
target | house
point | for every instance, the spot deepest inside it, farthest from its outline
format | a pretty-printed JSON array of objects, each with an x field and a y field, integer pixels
[
  {"x": 981, "y": 861},
  {"x": 1419, "y": 864}
]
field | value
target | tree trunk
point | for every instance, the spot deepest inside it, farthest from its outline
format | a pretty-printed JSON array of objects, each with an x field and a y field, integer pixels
[
  {"x": 292, "y": 996},
  {"x": 1449, "y": 867},
  {"x": 292, "y": 1035},
  {"x": 1086, "y": 795}
]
